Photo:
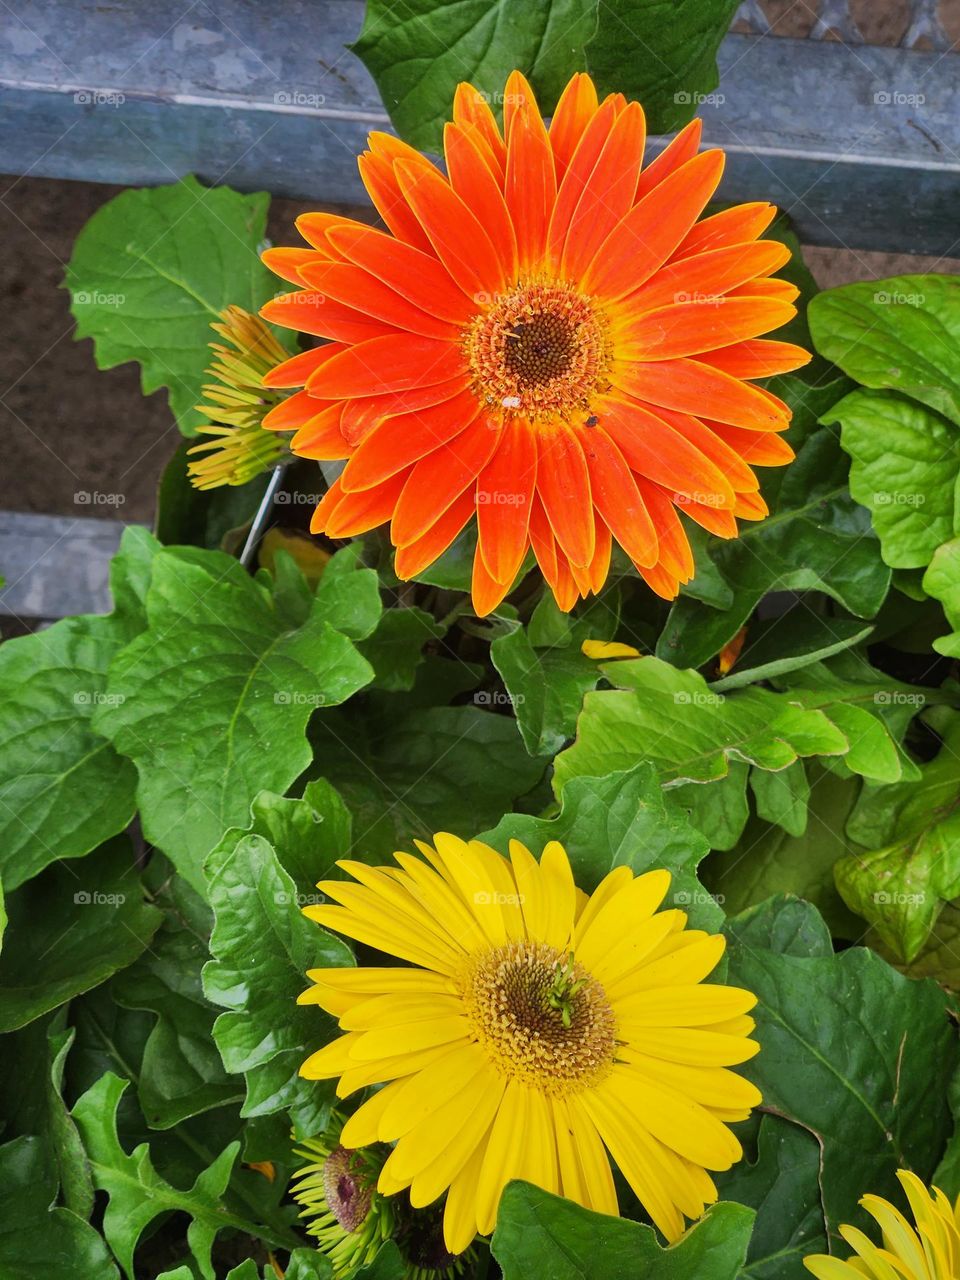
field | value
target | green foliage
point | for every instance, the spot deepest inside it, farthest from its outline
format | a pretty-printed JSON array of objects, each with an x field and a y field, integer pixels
[
  {"x": 153, "y": 269},
  {"x": 662, "y": 54}
]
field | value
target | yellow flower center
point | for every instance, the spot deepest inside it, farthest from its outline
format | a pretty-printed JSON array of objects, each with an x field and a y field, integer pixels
[
  {"x": 543, "y": 1020},
  {"x": 539, "y": 351}
]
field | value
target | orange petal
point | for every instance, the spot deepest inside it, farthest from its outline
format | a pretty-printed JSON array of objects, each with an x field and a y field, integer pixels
[
  {"x": 654, "y": 450},
  {"x": 708, "y": 275},
  {"x": 474, "y": 182},
  {"x": 542, "y": 540},
  {"x": 293, "y": 412},
  {"x": 758, "y": 358},
  {"x": 750, "y": 506},
  {"x": 565, "y": 589},
  {"x": 576, "y": 180},
  {"x": 599, "y": 568},
  {"x": 416, "y": 556},
  {"x": 394, "y": 362},
  {"x": 609, "y": 193},
  {"x": 691, "y": 328},
  {"x": 781, "y": 290},
  {"x": 681, "y": 149},
  {"x": 343, "y": 515},
  {"x": 314, "y": 227},
  {"x": 505, "y": 490},
  {"x": 320, "y": 438},
  {"x": 616, "y": 496},
  {"x": 438, "y": 479},
  {"x": 742, "y": 223},
  {"x": 286, "y": 263},
  {"x": 576, "y": 107},
  {"x": 472, "y": 110},
  {"x": 399, "y": 441},
  {"x": 563, "y": 483},
  {"x": 758, "y": 448},
  {"x": 716, "y": 521},
  {"x": 690, "y": 386},
  {"x": 727, "y": 460},
  {"x": 295, "y": 371},
  {"x": 362, "y": 414},
  {"x": 347, "y": 283},
  {"x": 675, "y": 554},
  {"x": 380, "y": 180},
  {"x": 485, "y": 591},
  {"x": 418, "y": 276},
  {"x": 312, "y": 312},
  {"x": 644, "y": 239},
  {"x": 530, "y": 186},
  {"x": 460, "y": 241},
  {"x": 661, "y": 581}
]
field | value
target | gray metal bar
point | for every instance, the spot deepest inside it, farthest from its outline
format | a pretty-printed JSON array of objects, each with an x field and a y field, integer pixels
[
  {"x": 860, "y": 144},
  {"x": 55, "y": 566}
]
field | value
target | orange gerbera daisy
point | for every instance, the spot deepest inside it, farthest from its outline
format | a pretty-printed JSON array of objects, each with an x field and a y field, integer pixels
[{"x": 547, "y": 338}]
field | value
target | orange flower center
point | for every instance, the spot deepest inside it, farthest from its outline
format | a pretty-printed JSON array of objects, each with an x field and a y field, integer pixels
[
  {"x": 539, "y": 351},
  {"x": 543, "y": 1020}
]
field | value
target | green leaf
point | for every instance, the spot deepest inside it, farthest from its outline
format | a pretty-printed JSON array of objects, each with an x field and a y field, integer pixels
[
  {"x": 63, "y": 788},
  {"x": 901, "y": 334},
  {"x": 942, "y": 581},
  {"x": 782, "y": 798},
  {"x": 407, "y": 776},
  {"x": 545, "y": 672},
  {"x": 202, "y": 517},
  {"x": 213, "y": 699},
  {"x": 419, "y": 52},
  {"x": 623, "y": 819},
  {"x": 35, "y": 1239},
  {"x": 795, "y": 640},
  {"x": 858, "y": 1055},
  {"x": 782, "y": 1186},
  {"x": 262, "y": 946},
  {"x": 910, "y": 865},
  {"x": 181, "y": 1074},
  {"x": 69, "y": 932},
  {"x": 395, "y": 649},
  {"x": 816, "y": 538},
  {"x": 138, "y": 1195},
  {"x": 663, "y": 54},
  {"x": 153, "y": 269},
  {"x": 539, "y": 1234},
  {"x": 904, "y": 465},
  {"x": 387, "y": 1265}
]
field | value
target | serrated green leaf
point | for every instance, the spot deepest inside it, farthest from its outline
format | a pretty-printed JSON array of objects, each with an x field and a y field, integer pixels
[
  {"x": 622, "y": 819},
  {"x": 395, "y": 648},
  {"x": 419, "y": 53},
  {"x": 539, "y": 1234},
  {"x": 63, "y": 788},
  {"x": 35, "y": 1238},
  {"x": 782, "y": 798},
  {"x": 69, "y": 932},
  {"x": 854, "y": 1052},
  {"x": 904, "y": 464},
  {"x": 910, "y": 864},
  {"x": 138, "y": 1195},
  {"x": 153, "y": 269},
  {"x": 816, "y": 538},
  {"x": 212, "y": 701},
  {"x": 900, "y": 333},
  {"x": 262, "y": 947},
  {"x": 663, "y": 54}
]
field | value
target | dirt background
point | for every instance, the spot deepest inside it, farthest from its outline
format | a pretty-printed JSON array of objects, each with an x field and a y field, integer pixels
[{"x": 68, "y": 428}]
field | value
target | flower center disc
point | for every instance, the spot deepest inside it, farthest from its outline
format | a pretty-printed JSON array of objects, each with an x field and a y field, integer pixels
[
  {"x": 539, "y": 351},
  {"x": 544, "y": 1021}
]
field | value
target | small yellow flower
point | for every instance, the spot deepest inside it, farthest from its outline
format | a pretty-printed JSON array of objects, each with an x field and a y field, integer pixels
[
  {"x": 237, "y": 402},
  {"x": 532, "y": 1030},
  {"x": 602, "y": 650},
  {"x": 931, "y": 1251}
]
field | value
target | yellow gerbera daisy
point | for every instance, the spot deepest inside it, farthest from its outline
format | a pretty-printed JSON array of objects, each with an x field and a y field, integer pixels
[
  {"x": 538, "y": 1030},
  {"x": 931, "y": 1252}
]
